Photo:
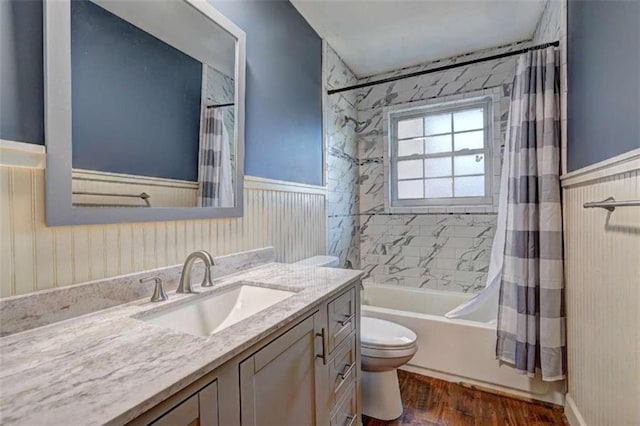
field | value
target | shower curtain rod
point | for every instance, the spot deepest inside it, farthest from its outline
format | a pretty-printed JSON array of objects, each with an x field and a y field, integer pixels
[
  {"x": 443, "y": 68},
  {"x": 219, "y": 106}
]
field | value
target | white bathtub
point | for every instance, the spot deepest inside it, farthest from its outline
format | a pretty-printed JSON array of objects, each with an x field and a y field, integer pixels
[{"x": 457, "y": 350}]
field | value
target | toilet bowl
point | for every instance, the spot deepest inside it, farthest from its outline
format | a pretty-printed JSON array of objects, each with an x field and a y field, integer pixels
[{"x": 385, "y": 346}]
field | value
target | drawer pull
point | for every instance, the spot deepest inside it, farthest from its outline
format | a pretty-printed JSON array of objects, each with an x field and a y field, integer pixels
[
  {"x": 351, "y": 420},
  {"x": 347, "y": 320},
  {"x": 323, "y": 335},
  {"x": 347, "y": 370}
]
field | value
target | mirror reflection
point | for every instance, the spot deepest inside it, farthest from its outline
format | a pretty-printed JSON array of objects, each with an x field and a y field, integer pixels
[{"x": 153, "y": 106}]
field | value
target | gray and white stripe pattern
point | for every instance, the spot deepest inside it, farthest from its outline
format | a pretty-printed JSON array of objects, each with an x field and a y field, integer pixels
[
  {"x": 210, "y": 158},
  {"x": 531, "y": 318}
]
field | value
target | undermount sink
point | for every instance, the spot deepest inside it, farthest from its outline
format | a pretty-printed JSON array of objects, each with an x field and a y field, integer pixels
[{"x": 209, "y": 314}]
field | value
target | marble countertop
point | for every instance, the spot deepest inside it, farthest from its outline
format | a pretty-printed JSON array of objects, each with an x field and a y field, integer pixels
[{"x": 108, "y": 367}]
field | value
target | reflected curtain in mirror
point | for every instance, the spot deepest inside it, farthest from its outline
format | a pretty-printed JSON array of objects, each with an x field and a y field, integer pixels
[{"x": 215, "y": 188}]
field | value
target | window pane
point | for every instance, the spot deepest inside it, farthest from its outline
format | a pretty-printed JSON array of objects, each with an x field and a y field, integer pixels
[
  {"x": 471, "y": 140},
  {"x": 409, "y": 169},
  {"x": 469, "y": 186},
  {"x": 436, "y": 144},
  {"x": 468, "y": 120},
  {"x": 410, "y": 147},
  {"x": 437, "y": 188},
  {"x": 469, "y": 164},
  {"x": 434, "y": 167},
  {"x": 410, "y": 128},
  {"x": 434, "y": 124},
  {"x": 410, "y": 189}
]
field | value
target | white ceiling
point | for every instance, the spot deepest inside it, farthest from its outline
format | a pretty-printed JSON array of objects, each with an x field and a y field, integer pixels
[{"x": 374, "y": 36}]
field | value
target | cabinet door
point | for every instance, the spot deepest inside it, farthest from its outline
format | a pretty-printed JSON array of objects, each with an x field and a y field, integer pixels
[
  {"x": 278, "y": 384},
  {"x": 200, "y": 409}
]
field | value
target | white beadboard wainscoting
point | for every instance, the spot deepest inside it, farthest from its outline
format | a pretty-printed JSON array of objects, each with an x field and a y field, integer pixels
[
  {"x": 289, "y": 216},
  {"x": 603, "y": 294}
]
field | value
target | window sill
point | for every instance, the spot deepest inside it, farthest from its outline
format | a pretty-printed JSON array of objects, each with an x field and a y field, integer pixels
[{"x": 443, "y": 209}]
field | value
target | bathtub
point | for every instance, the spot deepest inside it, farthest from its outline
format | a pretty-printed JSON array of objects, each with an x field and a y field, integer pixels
[{"x": 456, "y": 350}]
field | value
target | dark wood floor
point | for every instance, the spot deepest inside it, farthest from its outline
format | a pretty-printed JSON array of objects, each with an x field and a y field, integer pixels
[{"x": 429, "y": 401}]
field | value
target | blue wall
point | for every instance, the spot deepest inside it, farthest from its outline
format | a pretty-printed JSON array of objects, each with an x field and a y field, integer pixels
[
  {"x": 283, "y": 131},
  {"x": 136, "y": 100},
  {"x": 283, "y": 136},
  {"x": 603, "y": 79},
  {"x": 21, "y": 78}
]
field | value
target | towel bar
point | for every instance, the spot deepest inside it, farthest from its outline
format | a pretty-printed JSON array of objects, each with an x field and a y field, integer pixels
[
  {"x": 611, "y": 204},
  {"x": 144, "y": 196}
]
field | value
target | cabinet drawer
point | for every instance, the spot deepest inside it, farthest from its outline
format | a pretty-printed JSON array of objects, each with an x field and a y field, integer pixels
[
  {"x": 342, "y": 317},
  {"x": 346, "y": 413},
  {"x": 343, "y": 368},
  {"x": 200, "y": 409}
]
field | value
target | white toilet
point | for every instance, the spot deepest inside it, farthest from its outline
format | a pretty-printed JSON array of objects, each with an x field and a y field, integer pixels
[{"x": 385, "y": 346}]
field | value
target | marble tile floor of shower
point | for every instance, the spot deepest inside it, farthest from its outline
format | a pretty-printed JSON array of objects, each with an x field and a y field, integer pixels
[{"x": 429, "y": 401}]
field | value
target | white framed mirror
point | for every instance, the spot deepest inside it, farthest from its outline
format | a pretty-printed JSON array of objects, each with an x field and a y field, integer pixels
[{"x": 144, "y": 111}]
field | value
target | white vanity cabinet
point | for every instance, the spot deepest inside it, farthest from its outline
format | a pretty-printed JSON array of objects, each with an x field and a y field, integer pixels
[
  {"x": 278, "y": 383},
  {"x": 306, "y": 373}
]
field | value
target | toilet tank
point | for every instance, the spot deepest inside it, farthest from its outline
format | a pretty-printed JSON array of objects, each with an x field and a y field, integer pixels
[{"x": 326, "y": 261}]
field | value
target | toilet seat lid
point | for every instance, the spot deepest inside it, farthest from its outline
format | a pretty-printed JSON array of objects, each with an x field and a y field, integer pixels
[{"x": 378, "y": 333}]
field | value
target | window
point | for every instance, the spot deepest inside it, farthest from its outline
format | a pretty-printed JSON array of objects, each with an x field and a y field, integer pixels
[{"x": 441, "y": 155}]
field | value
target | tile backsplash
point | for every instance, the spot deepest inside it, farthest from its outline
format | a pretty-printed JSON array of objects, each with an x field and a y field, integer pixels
[{"x": 37, "y": 309}]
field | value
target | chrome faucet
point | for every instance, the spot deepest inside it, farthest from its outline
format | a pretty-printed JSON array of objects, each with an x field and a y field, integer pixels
[{"x": 185, "y": 277}]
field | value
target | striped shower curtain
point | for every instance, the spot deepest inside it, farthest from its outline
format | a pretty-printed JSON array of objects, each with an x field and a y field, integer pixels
[
  {"x": 215, "y": 187},
  {"x": 531, "y": 317}
]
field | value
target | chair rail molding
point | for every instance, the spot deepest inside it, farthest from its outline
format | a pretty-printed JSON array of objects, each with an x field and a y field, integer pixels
[
  {"x": 21, "y": 154},
  {"x": 255, "y": 182},
  {"x": 620, "y": 164}
]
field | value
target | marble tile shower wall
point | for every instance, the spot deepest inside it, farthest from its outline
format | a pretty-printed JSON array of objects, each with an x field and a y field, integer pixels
[
  {"x": 221, "y": 90},
  {"x": 445, "y": 251},
  {"x": 342, "y": 164},
  {"x": 548, "y": 29}
]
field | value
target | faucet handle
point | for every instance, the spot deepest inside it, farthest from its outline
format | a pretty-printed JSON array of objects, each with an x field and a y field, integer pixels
[{"x": 159, "y": 295}]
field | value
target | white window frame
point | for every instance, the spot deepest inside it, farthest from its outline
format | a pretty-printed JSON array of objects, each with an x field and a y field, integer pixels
[{"x": 486, "y": 102}]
